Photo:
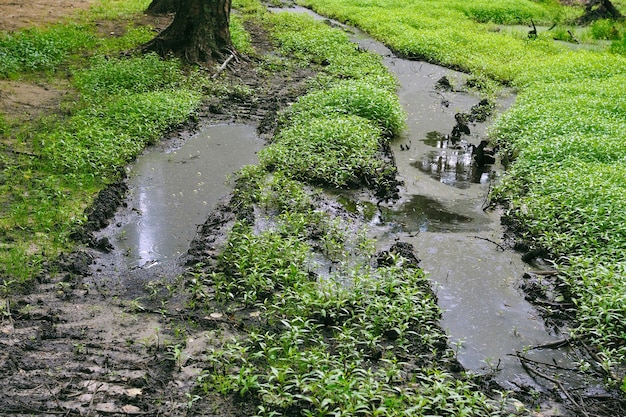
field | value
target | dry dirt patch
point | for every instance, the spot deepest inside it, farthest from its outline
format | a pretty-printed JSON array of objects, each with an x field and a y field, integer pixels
[
  {"x": 26, "y": 101},
  {"x": 18, "y": 14}
]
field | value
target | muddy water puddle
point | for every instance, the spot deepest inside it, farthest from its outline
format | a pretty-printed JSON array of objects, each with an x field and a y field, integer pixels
[
  {"x": 441, "y": 212},
  {"x": 173, "y": 191}
]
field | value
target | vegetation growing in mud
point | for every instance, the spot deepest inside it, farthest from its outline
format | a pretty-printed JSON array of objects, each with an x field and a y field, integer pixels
[
  {"x": 565, "y": 189},
  {"x": 361, "y": 338}
]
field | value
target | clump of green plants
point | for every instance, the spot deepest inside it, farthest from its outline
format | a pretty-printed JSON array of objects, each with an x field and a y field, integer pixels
[
  {"x": 239, "y": 36},
  {"x": 110, "y": 77},
  {"x": 128, "y": 103},
  {"x": 98, "y": 140},
  {"x": 606, "y": 29},
  {"x": 331, "y": 347},
  {"x": 334, "y": 135},
  {"x": 619, "y": 46},
  {"x": 42, "y": 49},
  {"x": 509, "y": 12},
  {"x": 352, "y": 97},
  {"x": 310, "y": 41},
  {"x": 338, "y": 152},
  {"x": 253, "y": 267}
]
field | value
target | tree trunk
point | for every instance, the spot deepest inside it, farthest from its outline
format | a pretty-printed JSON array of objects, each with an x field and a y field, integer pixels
[
  {"x": 599, "y": 9},
  {"x": 163, "y": 7},
  {"x": 199, "y": 33}
]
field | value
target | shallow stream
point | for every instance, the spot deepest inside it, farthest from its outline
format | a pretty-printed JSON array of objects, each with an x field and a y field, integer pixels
[{"x": 440, "y": 212}]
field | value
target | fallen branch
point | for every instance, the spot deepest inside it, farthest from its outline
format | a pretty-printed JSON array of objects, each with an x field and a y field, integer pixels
[
  {"x": 490, "y": 241},
  {"x": 223, "y": 66},
  {"x": 595, "y": 357},
  {"x": 552, "y": 345},
  {"x": 549, "y": 365},
  {"x": 572, "y": 37},
  {"x": 525, "y": 364},
  {"x": 545, "y": 273}
]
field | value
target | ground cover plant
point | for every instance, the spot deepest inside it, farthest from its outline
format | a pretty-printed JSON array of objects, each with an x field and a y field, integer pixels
[
  {"x": 361, "y": 340},
  {"x": 565, "y": 187},
  {"x": 335, "y": 135}
]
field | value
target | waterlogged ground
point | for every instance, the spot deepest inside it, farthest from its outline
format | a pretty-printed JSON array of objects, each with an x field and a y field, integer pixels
[
  {"x": 109, "y": 334},
  {"x": 79, "y": 343}
]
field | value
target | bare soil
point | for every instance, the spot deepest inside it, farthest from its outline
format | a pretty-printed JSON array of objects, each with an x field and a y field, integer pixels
[
  {"x": 15, "y": 14},
  {"x": 27, "y": 100}
]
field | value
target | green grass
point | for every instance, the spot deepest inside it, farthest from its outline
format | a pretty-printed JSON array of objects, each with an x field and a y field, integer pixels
[
  {"x": 565, "y": 187},
  {"x": 41, "y": 49},
  {"x": 333, "y": 136},
  {"x": 336, "y": 151},
  {"x": 352, "y": 97}
]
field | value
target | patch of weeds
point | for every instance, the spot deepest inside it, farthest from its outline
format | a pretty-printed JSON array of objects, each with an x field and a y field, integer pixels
[
  {"x": 600, "y": 296},
  {"x": 99, "y": 140},
  {"x": 334, "y": 349},
  {"x": 116, "y": 9},
  {"x": 352, "y": 97},
  {"x": 312, "y": 41},
  {"x": 508, "y": 12},
  {"x": 133, "y": 38},
  {"x": 252, "y": 267},
  {"x": 482, "y": 84},
  {"x": 619, "y": 46},
  {"x": 605, "y": 29},
  {"x": 128, "y": 103},
  {"x": 239, "y": 36},
  {"x": 281, "y": 194},
  {"x": 109, "y": 77},
  {"x": 42, "y": 49},
  {"x": 338, "y": 152}
]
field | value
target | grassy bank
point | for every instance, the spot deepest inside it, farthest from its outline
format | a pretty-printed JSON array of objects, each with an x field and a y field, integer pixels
[{"x": 565, "y": 188}]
